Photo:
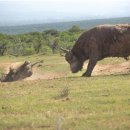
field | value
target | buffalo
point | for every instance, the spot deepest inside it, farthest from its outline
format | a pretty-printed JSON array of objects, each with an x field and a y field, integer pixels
[{"x": 98, "y": 43}]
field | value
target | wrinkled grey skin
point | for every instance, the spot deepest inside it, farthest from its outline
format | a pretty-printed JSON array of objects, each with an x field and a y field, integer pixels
[{"x": 75, "y": 64}]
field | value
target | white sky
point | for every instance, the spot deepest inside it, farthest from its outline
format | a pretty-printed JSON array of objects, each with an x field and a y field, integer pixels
[{"x": 61, "y": 10}]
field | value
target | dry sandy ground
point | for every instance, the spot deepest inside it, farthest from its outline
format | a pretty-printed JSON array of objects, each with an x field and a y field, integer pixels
[
  {"x": 111, "y": 69},
  {"x": 98, "y": 70}
]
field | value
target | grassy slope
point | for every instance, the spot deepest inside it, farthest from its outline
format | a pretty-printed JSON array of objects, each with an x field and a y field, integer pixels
[{"x": 96, "y": 103}]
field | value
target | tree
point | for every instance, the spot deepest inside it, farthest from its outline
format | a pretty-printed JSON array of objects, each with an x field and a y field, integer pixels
[
  {"x": 3, "y": 46},
  {"x": 52, "y": 32},
  {"x": 75, "y": 29},
  {"x": 54, "y": 46},
  {"x": 2, "y": 49}
]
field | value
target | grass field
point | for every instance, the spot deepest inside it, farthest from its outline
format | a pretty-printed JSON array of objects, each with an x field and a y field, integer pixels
[{"x": 67, "y": 103}]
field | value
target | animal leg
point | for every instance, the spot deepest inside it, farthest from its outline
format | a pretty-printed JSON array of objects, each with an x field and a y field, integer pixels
[{"x": 90, "y": 68}]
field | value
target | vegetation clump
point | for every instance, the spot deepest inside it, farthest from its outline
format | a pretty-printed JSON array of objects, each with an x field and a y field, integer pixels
[{"x": 48, "y": 41}]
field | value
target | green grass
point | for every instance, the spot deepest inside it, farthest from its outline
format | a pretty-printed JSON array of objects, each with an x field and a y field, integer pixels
[
  {"x": 1, "y": 71},
  {"x": 95, "y": 103}
]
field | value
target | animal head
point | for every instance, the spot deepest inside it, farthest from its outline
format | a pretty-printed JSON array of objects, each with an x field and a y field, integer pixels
[{"x": 75, "y": 63}]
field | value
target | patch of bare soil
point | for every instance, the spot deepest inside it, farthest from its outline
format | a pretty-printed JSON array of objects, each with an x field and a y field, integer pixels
[
  {"x": 38, "y": 75},
  {"x": 111, "y": 69},
  {"x": 98, "y": 70}
]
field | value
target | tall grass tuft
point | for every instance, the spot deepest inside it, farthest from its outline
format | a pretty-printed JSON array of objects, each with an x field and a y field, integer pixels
[{"x": 64, "y": 93}]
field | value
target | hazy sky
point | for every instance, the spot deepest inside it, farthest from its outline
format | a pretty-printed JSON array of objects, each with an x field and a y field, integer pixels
[{"x": 18, "y": 11}]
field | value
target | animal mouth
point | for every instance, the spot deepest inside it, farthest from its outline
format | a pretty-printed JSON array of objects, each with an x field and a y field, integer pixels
[{"x": 76, "y": 70}]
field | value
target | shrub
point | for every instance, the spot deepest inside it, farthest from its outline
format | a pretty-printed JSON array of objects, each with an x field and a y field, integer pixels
[
  {"x": 28, "y": 51},
  {"x": 75, "y": 29}
]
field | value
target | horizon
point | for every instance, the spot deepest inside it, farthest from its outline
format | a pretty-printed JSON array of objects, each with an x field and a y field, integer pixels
[
  {"x": 22, "y": 12},
  {"x": 56, "y": 22}
]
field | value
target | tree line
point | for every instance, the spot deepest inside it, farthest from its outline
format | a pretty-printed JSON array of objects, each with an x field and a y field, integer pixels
[{"x": 45, "y": 42}]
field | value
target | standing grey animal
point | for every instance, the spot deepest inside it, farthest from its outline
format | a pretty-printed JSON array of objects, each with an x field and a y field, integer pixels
[{"x": 98, "y": 43}]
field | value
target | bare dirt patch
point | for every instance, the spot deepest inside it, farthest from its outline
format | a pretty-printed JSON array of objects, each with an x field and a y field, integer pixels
[
  {"x": 49, "y": 75},
  {"x": 99, "y": 69},
  {"x": 111, "y": 68}
]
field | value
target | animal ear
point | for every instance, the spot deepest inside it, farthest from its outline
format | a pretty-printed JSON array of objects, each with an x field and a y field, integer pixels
[{"x": 64, "y": 50}]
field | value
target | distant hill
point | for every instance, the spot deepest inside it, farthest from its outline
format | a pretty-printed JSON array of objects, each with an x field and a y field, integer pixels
[{"x": 85, "y": 24}]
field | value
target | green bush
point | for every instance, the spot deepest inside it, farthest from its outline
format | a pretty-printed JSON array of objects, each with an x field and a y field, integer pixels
[
  {"x": 45, "y": 42},
  {"x": 75, "y": 29},
  {"x": 46, "y": 49},
  {"x": 28, "y": 51}
]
